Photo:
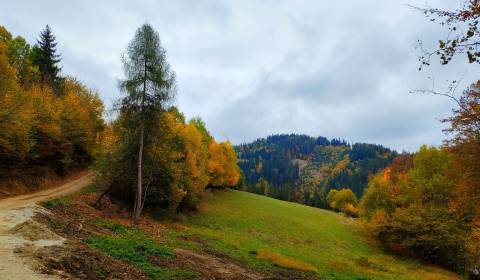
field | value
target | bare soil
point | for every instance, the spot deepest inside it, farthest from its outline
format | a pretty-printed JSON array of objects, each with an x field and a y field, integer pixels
[{"x": 18, "y": 230}]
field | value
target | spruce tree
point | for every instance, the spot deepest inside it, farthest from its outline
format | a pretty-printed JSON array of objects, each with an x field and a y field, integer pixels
[{"x": 46, "y": 57}]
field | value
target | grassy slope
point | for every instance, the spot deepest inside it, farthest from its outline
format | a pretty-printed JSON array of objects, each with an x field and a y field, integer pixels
[{"x": 238, "y": 223}]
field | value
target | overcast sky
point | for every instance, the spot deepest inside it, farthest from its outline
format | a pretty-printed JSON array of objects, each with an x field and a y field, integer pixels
[{"x": 339, "y": 69}]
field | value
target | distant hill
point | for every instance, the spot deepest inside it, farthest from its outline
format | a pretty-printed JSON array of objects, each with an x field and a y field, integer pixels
[{"x": 304, "y": 169}]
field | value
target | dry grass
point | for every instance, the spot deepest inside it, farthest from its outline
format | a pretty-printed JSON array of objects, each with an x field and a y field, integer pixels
[{"x": 286, "y": 262}]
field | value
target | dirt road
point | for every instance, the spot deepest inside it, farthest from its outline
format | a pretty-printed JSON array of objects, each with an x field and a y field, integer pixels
[{"x": 18, "y": 230}]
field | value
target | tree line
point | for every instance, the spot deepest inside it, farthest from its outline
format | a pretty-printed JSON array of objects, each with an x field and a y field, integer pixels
[
  {"x": 148, "y": 156},
  {"x": 304, "y": 169}
]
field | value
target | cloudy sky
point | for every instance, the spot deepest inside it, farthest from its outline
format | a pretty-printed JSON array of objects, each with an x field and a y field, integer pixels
[{"x": 340, "y": 68}]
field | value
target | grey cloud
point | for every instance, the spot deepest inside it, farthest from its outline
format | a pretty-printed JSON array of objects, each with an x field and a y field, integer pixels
[{"x": 252, "y": 68}]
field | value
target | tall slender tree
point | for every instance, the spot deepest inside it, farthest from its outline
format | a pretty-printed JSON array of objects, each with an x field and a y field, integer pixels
[
  {"x": 46, "y": 57},
  {"x": 149, "y": 86}
]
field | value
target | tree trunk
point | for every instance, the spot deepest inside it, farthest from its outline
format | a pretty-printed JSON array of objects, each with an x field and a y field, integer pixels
[
  {"x": 138, "y": 198},
  {"x": 137, "y": 208}
]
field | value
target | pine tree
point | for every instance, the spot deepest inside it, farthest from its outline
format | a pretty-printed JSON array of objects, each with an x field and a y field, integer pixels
[
  {"x": 149, "y": 85},
  {"x": 46, "y": 57}
]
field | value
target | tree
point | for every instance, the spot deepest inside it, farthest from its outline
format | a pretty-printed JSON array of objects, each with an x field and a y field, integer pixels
[
  {"x": 331, "y": 198},
  {"x": 463, "y": 39},
  {"x": 149, "y": 86},
  {"x": 19, "y": 57},
  {"x": 408, "y": 208},
  {"x": 463, "y": 33},
  {"x": 15, "y": 115},
  {"x": 222, "y": 165},
  {"x": 465, "y": 146},
  {"x": 343, "y": 200},
  {"x": 46, "y": 57}
]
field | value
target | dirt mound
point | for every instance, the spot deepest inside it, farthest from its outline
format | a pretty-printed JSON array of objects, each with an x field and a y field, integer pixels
[
  {"x": 78, "y": 261},
  {"x": 208, "y": 267},
  {"x": 33, "y": 231}
]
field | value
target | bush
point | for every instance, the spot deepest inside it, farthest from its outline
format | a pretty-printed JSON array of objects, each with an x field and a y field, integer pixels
[
  {"x": 350, "y": 210},
  {"x": 343, "y": 200}
]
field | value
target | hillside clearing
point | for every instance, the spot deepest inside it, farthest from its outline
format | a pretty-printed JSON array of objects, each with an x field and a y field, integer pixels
[
  {"x": 233, "y": 235},
  {"x": 245, "y": 226}
]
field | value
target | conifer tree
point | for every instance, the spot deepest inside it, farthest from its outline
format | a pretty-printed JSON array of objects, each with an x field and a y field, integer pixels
[
  {"x": 46, "y": 57},
  {"x": 149, "y": 85}
]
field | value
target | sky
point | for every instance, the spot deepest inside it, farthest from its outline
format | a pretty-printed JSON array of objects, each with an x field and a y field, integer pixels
[{"x": 339, "y": 69}]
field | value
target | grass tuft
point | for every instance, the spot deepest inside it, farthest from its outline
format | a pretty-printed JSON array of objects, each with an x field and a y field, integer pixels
[
  {"x": 89, "y": 189},
  {"x": 54, "y": 203},
  {"x": 111, "y": 226}
]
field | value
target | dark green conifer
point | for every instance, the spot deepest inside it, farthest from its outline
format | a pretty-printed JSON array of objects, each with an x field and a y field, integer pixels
[{"x": 46, "y": 57}]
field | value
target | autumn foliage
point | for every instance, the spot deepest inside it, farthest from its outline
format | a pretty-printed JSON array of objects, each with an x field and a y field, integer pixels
[
  {"x": 427, "y": 204},
  {"x": 42, "y": 132},
  {"x": 409, "y": 208},
  {"x": 181, "y": 160},
  {"x": 343, "y": 200}
]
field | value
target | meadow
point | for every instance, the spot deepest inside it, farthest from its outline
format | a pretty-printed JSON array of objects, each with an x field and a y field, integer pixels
[{"x": 265, "y": 233}]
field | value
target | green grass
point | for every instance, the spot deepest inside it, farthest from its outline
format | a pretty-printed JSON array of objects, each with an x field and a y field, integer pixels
[
  {"x": 58, "y": 202},
  {"x": 111, "y": 226},
  {"x": 54, "y": 203},
  {"x": 89, "y": 189},
  {"x": 135, "y": 247},
  {"x": 260, "y": 232}
]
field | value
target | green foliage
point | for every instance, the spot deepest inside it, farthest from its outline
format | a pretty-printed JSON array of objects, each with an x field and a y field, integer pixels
[
  {"x": 150, "y": 82},
  {"x": 45, "y": 56}
]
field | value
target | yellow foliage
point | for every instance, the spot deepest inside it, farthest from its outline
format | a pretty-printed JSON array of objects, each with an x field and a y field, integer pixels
[
  {"x": 339, "y": 199},
  {"x": 14, "y": 112},
  {"x": 222, "y": 165},
  {"x": 378, "y": 221},
  {"x": 36, "y": 125},
  {"x": 341, "y": 165}
]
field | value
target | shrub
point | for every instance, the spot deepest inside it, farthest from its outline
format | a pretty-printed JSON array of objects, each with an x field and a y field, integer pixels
[
  {"x": 350, "y": 210},
  {"x": 343, "y": 200}
]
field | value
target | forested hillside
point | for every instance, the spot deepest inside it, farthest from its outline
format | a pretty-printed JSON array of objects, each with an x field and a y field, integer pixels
[
  {"x": 304, "y": 169},
  {"x": 49, "y": 123}
]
